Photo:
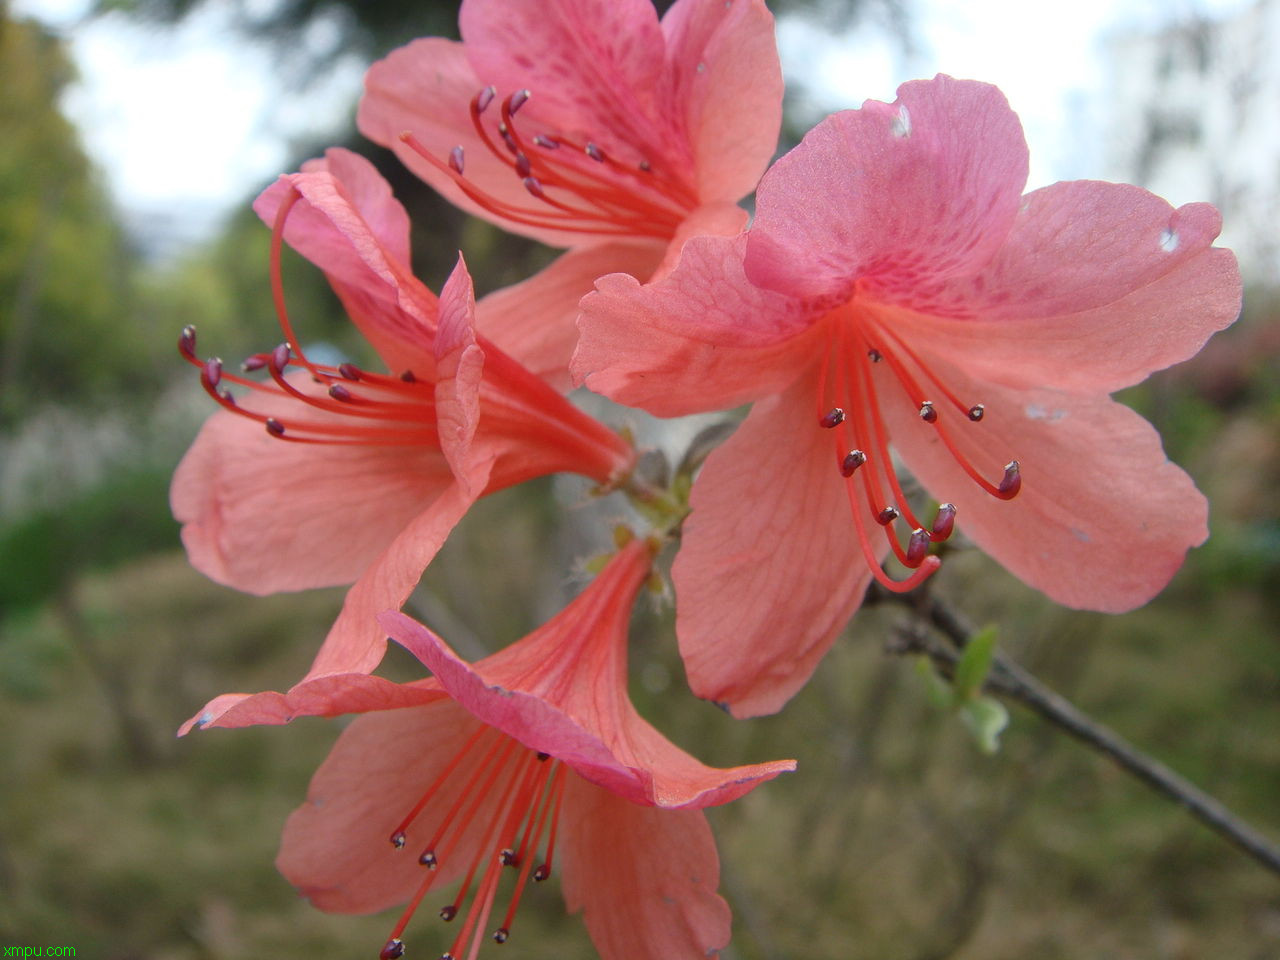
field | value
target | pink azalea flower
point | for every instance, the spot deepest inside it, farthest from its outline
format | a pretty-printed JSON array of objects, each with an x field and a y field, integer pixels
[
  {"x": 590, "y": 125},
  {"x": 322, "y": 475},
  {"x": 896, "y": 290},
  {"x": 535, "y": 748}
]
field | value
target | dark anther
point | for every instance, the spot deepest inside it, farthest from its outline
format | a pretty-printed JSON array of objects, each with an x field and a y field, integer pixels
[
  {"x": 976, "y": 412},
  {"x": 505, "y": 133},
  {"x": 644, "y": 166},
  {"x": 543, "y": 756},
  {"x": 457, "y": 160},
  {"x": 874, "y": 355},
  {"x": 339, "y": 392},
  {"x": 546, "y": 142},
  {"x": 408, "y": 377},
  {"x": 523, "y": 167},
  {"x": 428, "y": 859},
  {"x": 280, "y": 357},
  {"x": 1011, "y": 483},
  {"x": 927, "y": 413},
  {"x": 851, "y": 462},
  {"x": 533, "y": 185},
  {"x": 500, "y": 935},
  {"x": 484, "y": 98},
  {"x": 397, "y": 839},
  {"x": 349, "y": 371},
  {"x": 507, "y": 857},
  {"x": 917, "y": 547},
  {"x": 944, "y": 521},
  {"x": 212, "y": 374},
  {"x": 256, "y": 362},
  {"x": 275, "y": 427},
  {"x": 887, "y": 516},
  {"x": 832, "y": 418},
  {"x": 448, "y": 913},
  {"x": 541, "y": 873},
  {"x": 187, "y": 342},
  {"x": 517, "y": 100},
  {"x": 446, "y": 956},
  {"x": 393, "y": 949},
  {"x": 594, "y": 152}
]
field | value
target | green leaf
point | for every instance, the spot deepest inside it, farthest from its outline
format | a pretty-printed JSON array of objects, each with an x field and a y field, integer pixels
[
  {"x": 937, "y": 690},
  {"x": 986, "y": 718},
  {"x": 973, "y": 665}
]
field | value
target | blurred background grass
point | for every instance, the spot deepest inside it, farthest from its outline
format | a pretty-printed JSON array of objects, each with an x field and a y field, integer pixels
[{"x": 897, "y": 839}]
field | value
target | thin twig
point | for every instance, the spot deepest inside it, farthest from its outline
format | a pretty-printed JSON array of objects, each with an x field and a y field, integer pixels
[{"x": 1008, "y": 679}]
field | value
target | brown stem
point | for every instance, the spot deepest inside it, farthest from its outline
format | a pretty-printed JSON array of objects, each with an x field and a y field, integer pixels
[{"x": 1008, "y": 679}]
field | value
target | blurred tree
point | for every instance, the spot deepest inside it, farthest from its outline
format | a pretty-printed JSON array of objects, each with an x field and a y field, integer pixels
[{"x": 65, "y": 315}]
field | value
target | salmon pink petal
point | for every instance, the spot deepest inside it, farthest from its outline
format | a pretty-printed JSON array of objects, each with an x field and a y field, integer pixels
[
  {"x": 240, "y": 531},
  {"x": 702, "y": 339},
  {"x": 370, "y": 195},
  {"x": 327, "y": 696},
  {"x": 594, "y": 67},
  {"x": 644, "y": 879},
  {"x": 336, "y": 848},
  {"x": 769, "y": 546},
  {"x": 392, "y": 308},
  {"x": 562, "y": 691},
  {"x": 355, "y": 643},
  {"x": 533, "y": 321},
  {"x": 893, "y": 197},
  {"x": 723, "y": 63},
  {"x": 1100, "y": 284},
  {"x": 1103, "y": 519},
  {"x": 459, "y": 369}
]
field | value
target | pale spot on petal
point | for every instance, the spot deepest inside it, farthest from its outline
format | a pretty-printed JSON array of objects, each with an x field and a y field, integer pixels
[
  {"x": 1035, "y": 411},
  {"x": 1169, "y": 240},
  {"x": 901, "y": 123}
]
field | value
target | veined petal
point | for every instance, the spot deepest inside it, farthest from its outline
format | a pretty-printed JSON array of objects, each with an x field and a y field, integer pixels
[
  {"x": 392, "y": 308},
  {"x": 769, "y": 569},
  {"x": 562, "y": 691},
  {"x": 335, "y": 848},
  {"x": 355, "y": 643},
  {"x": 594, "y": 67},
  {"x": 328, "y": 696},
  {"x": 1100, "y": 285},
  {"x": 240, "y": 531},
  {"x": 644, "y": 879},
  {"x": 534, "y": 321},
  {"x": 1103, "y": 519},
  {"x": 459, "y": 368},
  {"x": 895, "y": 198},
  {"x": 704, "y": 338},
  {"x": 371, "y": 196},
  {"x": 722, "y": 61}
]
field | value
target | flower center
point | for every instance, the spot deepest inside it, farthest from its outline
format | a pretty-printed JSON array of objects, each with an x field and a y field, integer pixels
[
  {"x": 861, "y": 347},
  {"x": 572, "y": 185},
  {"x": 503, "y": 798}
]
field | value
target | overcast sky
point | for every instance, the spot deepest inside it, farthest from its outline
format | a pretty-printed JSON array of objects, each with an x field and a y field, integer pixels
[{"x": 187, "y": 122}]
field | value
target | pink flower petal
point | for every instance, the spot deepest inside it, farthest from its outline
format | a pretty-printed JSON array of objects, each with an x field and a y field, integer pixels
[
  {"x": 336, "y": 847},
  {"x": 562, "y": 691},
  {"x": 1086, "y": 296},
  {"x": 894, "y": 197},
  {"x": 533, "y": 321},
  {"x": 723, "y": 60},
  {"x": 702, "y": 339},
  {"x": 355, "y": 643},
  {"x": 769, "y": 569},
  {"x": 1103, "y": 519},
  {"x": 370, "y": 195},
  {"x": 645, "y": 879},
  {"x": 392, "y": 308},
  {"x": 327, "y": 696},
  {"x": 241, "y": 530},
  {"x": 459, "y": 369}
]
